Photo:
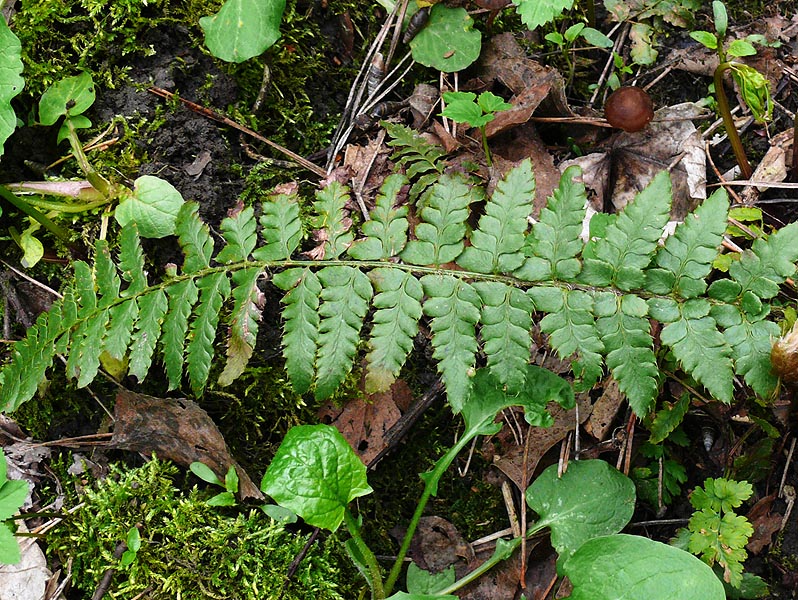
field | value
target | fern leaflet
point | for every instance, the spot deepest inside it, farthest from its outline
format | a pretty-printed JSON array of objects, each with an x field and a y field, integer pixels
[
  {"x": 386, "y": 231},
  {"x": 332, "y": 221},
  {"x": 282, "y": 229}
]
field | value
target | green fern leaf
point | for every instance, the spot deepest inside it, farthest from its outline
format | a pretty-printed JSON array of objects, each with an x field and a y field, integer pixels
[
  {"x": 439, "y": 239},
  {"x": 386, "y": 231},
  {"x": 496, "y": 243},
  {"x": 195, "y": 239},
  {"x": 751, "y": 343},
  {"x": 345, "y": 299},
  {"x": 506, "y": 320},
  {"x": 131, "y": 260},
  {"x": 395, "y": 325},
  {"x": 214, "y": 290},
  {"x": 282, "y": 228},
  {"x": 625, "y": 332},
  {"x": 244, "y": 318},
  {"x": 105, "y": 275},
  {"x": 554, "y": 242},
  {"x": 84, "y": 289},
  {"x": 768, "y": 263},
  {"x": 701, "y": 348},
  {"x": 182, "y": 295},
  {"x": 668, "y": 419},
  {"x": 413, "y": 151},
  {"x": 301, "y": 318},
  {"x": 152, "y": 307},
  {"x": 88, "y": 349},
  {"x": 87, "y": 314},
  {"x": 332, "y": 219},
  {"x": 686, "y": 259},
  {"x": 572, "y": 331},
  {"x": 631, "y": 239},
  {"x": 238, "y": 231},
  {"x": 453, "y": 305},
  {"x": 121, "y": 319}
]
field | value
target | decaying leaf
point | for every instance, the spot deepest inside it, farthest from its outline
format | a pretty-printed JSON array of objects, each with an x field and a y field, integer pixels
[
  {"x": 773, "y": 166},
  {"x": 177, "y": 430}
]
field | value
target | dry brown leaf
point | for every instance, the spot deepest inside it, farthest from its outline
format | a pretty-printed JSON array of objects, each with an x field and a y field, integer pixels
[
  {"x": 177, "y": 430},
  {"x": 765, "y": 524},
  {"x": 630, "y": 161},
  {"x": 437, "y": 544},
  {"x": 605, "y": 409},
  {"x": 773, "y": 166}
]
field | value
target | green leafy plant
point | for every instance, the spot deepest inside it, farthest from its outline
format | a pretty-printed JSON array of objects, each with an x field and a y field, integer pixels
[
  {"x": 466, "y": 107},
  {"x": 565, "y": 41},
  {"x": 715, "y": 532},
  {"x": 133, "y": 543},
  {"x": 753, "y": 86},
  {"x": 13, "y": 493},
  {"x": 230, "y": 483},
  {"x": 595, "y": 301},
  {"x": 316, "y": 474},
  {"x": 243, "y": 29},
  {"x": 448, "y": 42}
]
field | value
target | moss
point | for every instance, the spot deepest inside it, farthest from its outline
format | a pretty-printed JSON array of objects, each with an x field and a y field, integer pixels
[{"x": 188, "y": 549}]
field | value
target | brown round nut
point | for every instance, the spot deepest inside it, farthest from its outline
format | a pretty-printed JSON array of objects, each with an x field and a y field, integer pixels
[{"x": 629, "y": 108}]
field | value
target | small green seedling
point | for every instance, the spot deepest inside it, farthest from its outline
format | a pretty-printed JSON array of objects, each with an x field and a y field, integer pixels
[
  {"x": 316, "y": 474},
  {"x": 565, "y": 41},
  {"x": 133, "y": 542},
  {"x": 230, "y": 483},
  {"x": 753, "y": 86},
  {"x": 465, "y": 107},
  {"x": 13, "y": 493}
]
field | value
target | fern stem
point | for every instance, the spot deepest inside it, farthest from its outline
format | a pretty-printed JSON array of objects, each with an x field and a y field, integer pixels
[
  {"x": 377, "y": 590},
  {"x": 728, "y": 121}
]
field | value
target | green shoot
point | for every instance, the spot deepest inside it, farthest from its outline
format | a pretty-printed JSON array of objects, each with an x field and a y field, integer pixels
[{"x": 465, "y": 107}]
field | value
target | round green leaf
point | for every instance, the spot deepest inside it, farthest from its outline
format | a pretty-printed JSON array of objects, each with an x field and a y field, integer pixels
[
  {"x": 70, "y": 96},
  {"x": 448, "y": 42},
  {"x": 11, "y": 83},
  {"x": 243, "y": 28},
  {"x": 153, "y": 206},
  {"x": 630, "y": 566},
  {"x": 316, "y": 474},
  {"x": 589, "y": 500}
]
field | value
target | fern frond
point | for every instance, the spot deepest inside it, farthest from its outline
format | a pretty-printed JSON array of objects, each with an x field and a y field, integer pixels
[
  {"x": 453, "y": 305},
  {"x": 768, "y": 263},
  {"x": 282, "y": 228},
  {"x": 301, "y": 319},
  {"x": 395, "y": 325},
  {"x": 686, "y": 259},
  {"x": 554, "y": 243},
  {"x": 194, "y": 237},
  {"x": 213, "y": 291},
  {"x": 496, "y": 243},
  {"x": 243, "y": 331},
  {"x": 131, "y": 260},
  {"x": 440, "y": 238},
  {"x": 182, "y": 296},
  {"x": 625, "y": 332},
  {"x": 572, "y": 332},
  {"x": 105, "y": 275},
  {"x": 413, "y": 151},
  {"x": 631, "y": 239},
  {"x": 345, "y": 299},
  {"x": 751, "y": 343},
  {"x": 386, "y": 231},
  {"x": 506, "y": 319},
  {"x": 82, "y": 357},
  {"x": 333, "y": 219},
  {"x": 121, "y": 319},
  {"x": 701, "y": 348},
  {"x": 238, "y": 231},
  {"x": 152, "y": 308}
]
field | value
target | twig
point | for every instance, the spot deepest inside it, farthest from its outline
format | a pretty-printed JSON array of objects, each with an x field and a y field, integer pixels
[{"x": 211, "y": 114}]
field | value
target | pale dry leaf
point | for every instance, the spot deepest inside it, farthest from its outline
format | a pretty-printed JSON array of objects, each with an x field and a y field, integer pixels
[
  {"x": 773, "y": 166},
  {"x": 27, "y": 579}
]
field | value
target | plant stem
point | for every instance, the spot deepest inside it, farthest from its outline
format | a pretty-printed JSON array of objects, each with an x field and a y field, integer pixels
[
  {"x": 98, "y": 182},
  {"x": 45, "y": 221},
  {"x": 431, "y": 479},
  {"x": 485, "y": 146},
  {"x": 495, "y": 559},
  {"x": 377, "y": 590},
  {"x": 728, "y": 121}
]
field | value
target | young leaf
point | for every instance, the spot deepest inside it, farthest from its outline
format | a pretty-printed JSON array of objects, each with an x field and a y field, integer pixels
[
  {"x": 398, "y": 304},
  {"x": 496, "y": 243},
  {"x": 282, "y": 229},
  {"x": 589, "y": 500},
  {"x": 301, "y": 318},
  {"x": 213, "y": 289},
  {"x": 622, "y": 566},
  {"x": 554, "y": 242},
  {"x": 439, "y": 239},
  {"x": 462, "y": 107},
  {"x": 332, "y": 219},
  {"x": 345, "y": 299},
  {"x": 506, "y": 322},
  {"x": 625, "y": 331},
  {"x": 316, "y": 474},
  {"x": 631, "y": 239},
  {"x": 701, "y": 348},
  {"x": 453, "y": 305},
  {"x": 386, "y": 231}
]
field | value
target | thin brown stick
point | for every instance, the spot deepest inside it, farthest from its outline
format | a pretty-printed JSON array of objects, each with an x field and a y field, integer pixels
[{"x": 211, "y": 114}]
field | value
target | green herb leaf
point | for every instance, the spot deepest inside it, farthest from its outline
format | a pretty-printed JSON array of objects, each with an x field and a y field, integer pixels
[
  {"x": 153, "y": 207},
  {"x": 448, "y": 42},
  {"x": 535, "y": 13},
  {"x": 11, "y": 82},
  {"x": 70, "y": 96},
  {"x": 243, "y": 28}
]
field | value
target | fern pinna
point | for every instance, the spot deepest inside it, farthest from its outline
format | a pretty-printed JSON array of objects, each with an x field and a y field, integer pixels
[{"x": 481, "y": 291}]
